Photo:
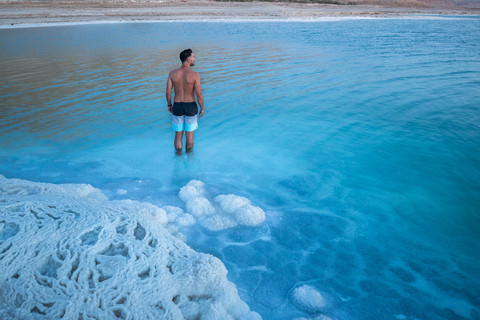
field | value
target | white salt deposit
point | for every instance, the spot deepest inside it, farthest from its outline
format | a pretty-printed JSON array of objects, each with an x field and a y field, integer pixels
[
  {"x": 199, "y": 206},
  {"x": 320, "y": 317},
  {"x": 227, "y": 211},
  {"x": 231, "y": 203},
  {"x": 185, "y": 220},
  {"x": 308, "y": 299},
  {"x": 67, "y": 252},
  {"x": 193, "y": 189}
]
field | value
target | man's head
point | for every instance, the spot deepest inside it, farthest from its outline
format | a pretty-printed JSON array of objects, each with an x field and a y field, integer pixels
[{"x": 186, "y": 56}]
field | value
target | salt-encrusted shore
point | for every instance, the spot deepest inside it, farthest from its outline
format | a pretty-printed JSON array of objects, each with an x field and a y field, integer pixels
[
  {"x": 13, "y": 13},
  {"x": 67, "y": 251}
]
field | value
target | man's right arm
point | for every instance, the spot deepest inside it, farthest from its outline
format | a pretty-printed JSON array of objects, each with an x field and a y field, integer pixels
[{"x": 198, "y": 93}]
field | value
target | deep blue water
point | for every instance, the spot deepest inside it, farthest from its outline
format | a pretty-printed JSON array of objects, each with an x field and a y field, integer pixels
[{"x": 359, "y": 138}]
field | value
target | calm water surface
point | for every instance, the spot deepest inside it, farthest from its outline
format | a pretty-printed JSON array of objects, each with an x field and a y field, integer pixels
[{"x": 360, "y": 138}]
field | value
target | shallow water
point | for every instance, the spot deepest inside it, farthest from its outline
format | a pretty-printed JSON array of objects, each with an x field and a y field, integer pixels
[{"x": 359, "y": 138}]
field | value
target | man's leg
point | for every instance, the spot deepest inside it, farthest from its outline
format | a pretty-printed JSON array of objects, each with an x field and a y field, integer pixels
[
  {"x": 189, "y": 145},
  {"x": 178, "y": 125},
  {"x": 178, "y": 140},
  {"x": 190, "y": 125}
]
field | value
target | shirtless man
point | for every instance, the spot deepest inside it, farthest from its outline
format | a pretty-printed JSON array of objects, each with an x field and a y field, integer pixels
[{"x": 186, "y": 84}]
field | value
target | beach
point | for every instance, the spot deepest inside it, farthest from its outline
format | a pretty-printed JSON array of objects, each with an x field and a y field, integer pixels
[{"x": 29, "y": 12}]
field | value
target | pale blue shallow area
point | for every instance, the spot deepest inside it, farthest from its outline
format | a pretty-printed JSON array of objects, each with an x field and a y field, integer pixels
[{"x": 359, "y": 138}]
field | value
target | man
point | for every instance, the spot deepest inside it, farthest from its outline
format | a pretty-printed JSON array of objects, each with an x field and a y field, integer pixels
[{"x": 186, "y": 84}]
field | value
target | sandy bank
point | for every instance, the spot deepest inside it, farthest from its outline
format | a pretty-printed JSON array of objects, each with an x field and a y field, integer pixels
[{"x": 23, "y": 12}]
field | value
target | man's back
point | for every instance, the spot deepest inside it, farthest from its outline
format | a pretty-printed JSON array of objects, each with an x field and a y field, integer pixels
[{"x": 183, "y": 81}]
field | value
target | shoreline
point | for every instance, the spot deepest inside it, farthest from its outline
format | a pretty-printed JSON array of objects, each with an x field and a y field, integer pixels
[
  {"x": 212, "y": 20},
  {"x": 23, "y": 14}
]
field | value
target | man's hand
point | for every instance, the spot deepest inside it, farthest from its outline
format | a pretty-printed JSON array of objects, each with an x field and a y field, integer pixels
[
  {"x": 170, "y": 109},
  {"x": 201, "y": 113}
]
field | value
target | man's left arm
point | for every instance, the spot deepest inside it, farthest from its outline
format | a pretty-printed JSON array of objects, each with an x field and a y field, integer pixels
[{"x": 168, "y": 94}]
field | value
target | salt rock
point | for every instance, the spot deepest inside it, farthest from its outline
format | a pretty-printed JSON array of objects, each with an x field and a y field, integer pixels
[
  {"x": 121, "y": 192},
  {"x": 185, "y": 220},
  {"x": 199, "y": 207},
  {"x": 227, "y": 212},
  {"x": 230, "y": 203},
  {"x": 249, "y": 215},
  {"x": 193, "y": 189},
  {"x": 218, "y": 222},
  {"x": 319, "y": 317},
  {"x": 172, "y": 212},
  {"x": 308, "y": 299},
  {"x": 241, "y": 209},
  {"x": 67, "y": 254}
]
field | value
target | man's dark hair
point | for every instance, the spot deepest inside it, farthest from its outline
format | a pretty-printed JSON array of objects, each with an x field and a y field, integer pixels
[{"x": 185, "y": 54}]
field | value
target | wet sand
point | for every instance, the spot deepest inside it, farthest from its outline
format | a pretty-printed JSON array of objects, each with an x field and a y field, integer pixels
[{"x": 40, "y": 12}]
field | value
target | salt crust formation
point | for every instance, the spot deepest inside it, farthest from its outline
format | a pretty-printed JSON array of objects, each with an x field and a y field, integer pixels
[
  {"x": 67, "y": 252},
  {"x": 227, "y": 211},
  {"x": 308, "y": 299},
  {"x": 320, "y": 317}
]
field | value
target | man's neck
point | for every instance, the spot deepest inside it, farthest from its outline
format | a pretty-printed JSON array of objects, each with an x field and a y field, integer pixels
[{"x": 185, "y": 66}]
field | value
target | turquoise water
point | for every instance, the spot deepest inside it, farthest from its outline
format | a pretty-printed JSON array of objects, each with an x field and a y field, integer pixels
[{"x": 359, "y": 138}]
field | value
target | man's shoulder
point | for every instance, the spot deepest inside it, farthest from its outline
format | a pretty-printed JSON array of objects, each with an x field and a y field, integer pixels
[
  {"x": 194, "y": 74},
  {"x": 173, "y": 71}
]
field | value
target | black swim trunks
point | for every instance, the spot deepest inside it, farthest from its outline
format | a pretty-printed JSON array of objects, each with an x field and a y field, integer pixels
[{"x": 188, "y": 109}]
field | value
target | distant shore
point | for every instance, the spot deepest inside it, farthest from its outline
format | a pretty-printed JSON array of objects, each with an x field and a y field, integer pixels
[{"x": 27, "y": 12}]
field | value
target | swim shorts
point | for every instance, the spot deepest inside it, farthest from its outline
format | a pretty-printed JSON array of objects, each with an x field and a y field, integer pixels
[{"x": 184, "y": 116}]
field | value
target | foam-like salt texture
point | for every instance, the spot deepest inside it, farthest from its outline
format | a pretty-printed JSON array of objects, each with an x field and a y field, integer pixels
[
  {"x": 227, "y": 211},
  {"x": 308, "y": 299},
  {"x": 67, "y": 252}
]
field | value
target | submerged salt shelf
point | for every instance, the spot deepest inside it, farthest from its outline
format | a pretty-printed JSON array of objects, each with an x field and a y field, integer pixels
[{"x": 66, "y": 252}]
